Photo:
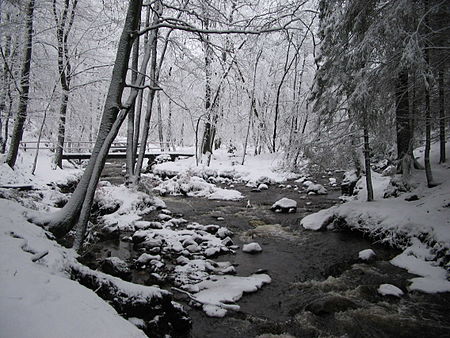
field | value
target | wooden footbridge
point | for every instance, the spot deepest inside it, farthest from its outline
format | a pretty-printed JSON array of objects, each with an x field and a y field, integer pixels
[{"x": 82, "y": 150}]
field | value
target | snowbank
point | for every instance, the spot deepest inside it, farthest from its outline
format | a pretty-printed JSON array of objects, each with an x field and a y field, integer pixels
[
  {"x": 255, "y": 168},
  {"x": 37, "y": 298},
  {"x": 129, "y": 205},
  {"x": 193, "y": 186},
  {"x": 43, "y": 175},
  {"x": 419, "y": 226}
]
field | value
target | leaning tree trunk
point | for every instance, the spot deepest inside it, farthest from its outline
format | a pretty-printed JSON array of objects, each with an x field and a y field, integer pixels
[
  {"x": 24, "y": 88},
  {"x": 130, "y": 154},
  {"x": 78, "y": 206}
]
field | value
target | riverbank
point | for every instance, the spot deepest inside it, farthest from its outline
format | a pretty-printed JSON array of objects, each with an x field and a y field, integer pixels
[{"x": 416, "y": 221}]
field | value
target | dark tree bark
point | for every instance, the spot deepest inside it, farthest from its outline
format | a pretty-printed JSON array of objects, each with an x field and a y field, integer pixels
[
  {"x": 428, "y": 171},
  {"x": 208, "y": 131},
  {"x": 131, "y": 155},
  {"x": 442, "y": 119},
  {"x": 403, "y": 129},
  {"x": 367, "y": 162},
  {"x": 24, "y": 88},
  {"x": 5, "y": 92},
  {"x": 153, "y": 44},
  {"x": 63, "y": 27}
]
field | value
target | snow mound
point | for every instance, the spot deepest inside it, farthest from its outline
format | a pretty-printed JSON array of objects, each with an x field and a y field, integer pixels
[
  {"x": 389, "y": 290},
  {"x": 316, "y": 189},
  {"x": 366, "y": 255},
  {"x": 252, "y": 248},
  {"x": 220, "y": 293},
  {"x": 128, "y": 206},
  {"x": 284, "y": 205},
  {"x": 194, "y": 186}
]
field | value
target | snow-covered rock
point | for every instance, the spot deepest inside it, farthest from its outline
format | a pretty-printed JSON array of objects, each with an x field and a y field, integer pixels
[
  {"x": 194, "y": 186},
  {"x": 251, "y": 248},
  {"x": 263, "y": 186},
  {"x": 116, "y": 267},
  {"x": 317, "y": 189},
  {"x": 366, "y": 254},
  {"x": 220, "y": 294},
  {"x": 284, "y": 205},
  {"x": 389, "y": 290},
  {"x": 224, "y": 232}
]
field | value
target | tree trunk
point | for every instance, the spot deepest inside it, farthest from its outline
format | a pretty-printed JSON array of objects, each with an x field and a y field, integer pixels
[
  {"x": 153, "y": 44},
  {"x": 63, "y": 27},
  {"x": 131, "y": 155},
  {"x": 24, "y": 88},
  {"x": 170, "y": 139},
  {"x": 138, "y": 105},
  {"x": 207, "y": 133},
  {"x": 5, "y": 90},
  {"x": 428, "y": 172},
  {"x": 252, "y": 105},
  {"x": 61, "y": 128},
  {"x": 367, "y": 163},
  {"x": 402, "y": 119},
  {"x": 160, "y": 122},
  {"x": 77, "y": 208},
  {"x": 442, "y": 119}
]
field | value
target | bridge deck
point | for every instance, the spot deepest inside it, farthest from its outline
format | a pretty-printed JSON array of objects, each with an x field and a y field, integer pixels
[{"x": 152, "y": 156}]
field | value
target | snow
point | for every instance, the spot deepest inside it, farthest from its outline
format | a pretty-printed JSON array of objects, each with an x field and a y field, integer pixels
[
  {"x": 389, "y": 290},
  {"x": 264, "y": 168},
  {"x": 220, "y": 293},
  {"x": 252, "y": 248},
  {"x": 43, "y": 175},
  {"x": 132, "y": 204},
  {"x": 420, "y": 227},
  {"x": 366, "y": 254},
  {"x": 194, "y": 186},
  {"x": 317, "y": 189},
  {"x": 284, "y": 203},
  {"x": 38, "y": 299}
]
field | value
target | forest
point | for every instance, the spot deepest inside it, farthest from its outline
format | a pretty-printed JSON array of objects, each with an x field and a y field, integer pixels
[{"x": 116, "y": 116}]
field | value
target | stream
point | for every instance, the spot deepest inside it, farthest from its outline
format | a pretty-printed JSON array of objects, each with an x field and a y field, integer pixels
[{"x": 319, "y": 286}]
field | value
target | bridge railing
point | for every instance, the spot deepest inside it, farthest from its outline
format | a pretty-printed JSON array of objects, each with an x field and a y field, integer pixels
[{"x": 86, "y": 146}]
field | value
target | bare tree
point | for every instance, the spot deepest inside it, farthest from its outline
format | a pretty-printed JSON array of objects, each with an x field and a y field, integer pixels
[
  {"x": 24, "y": 87},
  {"x": 64, "y": 22}
]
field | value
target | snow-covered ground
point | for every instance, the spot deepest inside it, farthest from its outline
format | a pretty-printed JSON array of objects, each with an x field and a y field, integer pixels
[
  {"x": 264, "y": 167},
  {"x": 417, "y": 221},
  {"x": 38, "y": 298}
]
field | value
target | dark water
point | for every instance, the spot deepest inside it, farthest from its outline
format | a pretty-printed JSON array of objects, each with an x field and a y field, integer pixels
[{"x": 319, "y": 287}]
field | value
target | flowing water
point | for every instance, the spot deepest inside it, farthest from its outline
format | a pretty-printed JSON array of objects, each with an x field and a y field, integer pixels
[{"x": 319, "y": 286}]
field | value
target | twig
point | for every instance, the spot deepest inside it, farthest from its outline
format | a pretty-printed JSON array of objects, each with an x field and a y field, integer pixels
[{"x": 38, "y": 256}]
